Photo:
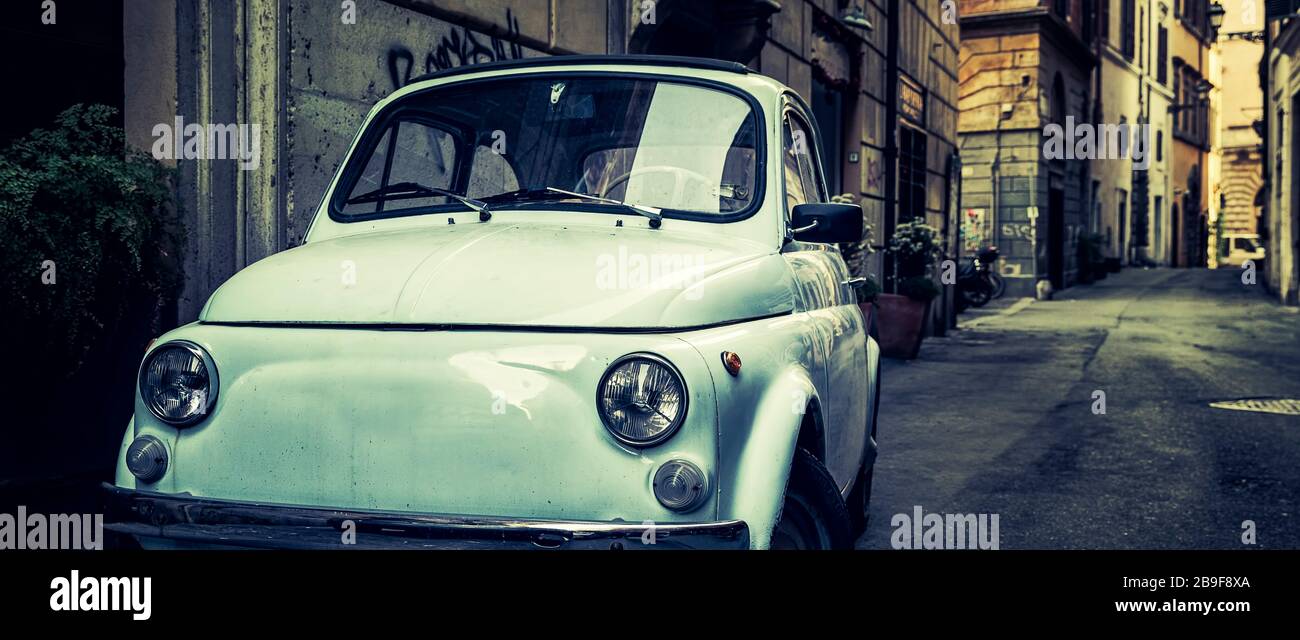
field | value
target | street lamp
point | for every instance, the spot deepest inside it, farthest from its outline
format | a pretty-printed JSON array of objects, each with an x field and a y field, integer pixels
[
  {"x": 1216, "y": 15},
  {"x": 854, "y": 17}
]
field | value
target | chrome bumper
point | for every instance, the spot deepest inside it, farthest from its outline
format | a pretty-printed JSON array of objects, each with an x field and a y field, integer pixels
[{"x": 186, "y": 519}]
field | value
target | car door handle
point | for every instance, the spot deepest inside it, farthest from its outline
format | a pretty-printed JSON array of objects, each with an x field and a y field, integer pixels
[{"x": 855, "y": 282}]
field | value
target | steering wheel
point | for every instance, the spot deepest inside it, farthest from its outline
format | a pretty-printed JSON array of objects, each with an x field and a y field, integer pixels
[{"x": 681, "y": 177}]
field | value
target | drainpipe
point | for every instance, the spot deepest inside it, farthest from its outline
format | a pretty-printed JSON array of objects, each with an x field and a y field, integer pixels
[{"x": 891, "y": 138}]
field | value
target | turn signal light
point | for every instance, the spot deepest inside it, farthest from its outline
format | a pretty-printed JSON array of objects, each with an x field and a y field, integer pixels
[{"x": 731, "y": 361}]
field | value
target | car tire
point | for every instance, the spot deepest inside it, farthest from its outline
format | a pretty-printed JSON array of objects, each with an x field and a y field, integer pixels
[
  {"x": 813, "y": 515},
  {"x": 859, "y": 500}
]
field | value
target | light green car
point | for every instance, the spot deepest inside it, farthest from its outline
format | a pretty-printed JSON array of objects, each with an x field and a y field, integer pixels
[{"x": 574, "y": 302}]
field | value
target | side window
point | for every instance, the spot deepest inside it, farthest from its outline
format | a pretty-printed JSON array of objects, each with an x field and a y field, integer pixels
[
  {"x": 795, "y": 139},
  {"x": 408, "y": 152},
  {"x": 802, "y": 182}
]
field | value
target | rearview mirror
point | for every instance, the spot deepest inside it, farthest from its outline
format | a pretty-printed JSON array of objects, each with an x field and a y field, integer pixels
[{"x": 829, "y": 222}]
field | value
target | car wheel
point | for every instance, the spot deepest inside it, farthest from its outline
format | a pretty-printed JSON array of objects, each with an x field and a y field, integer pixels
[
  {"x": 859, "y": 501},
  {"x": 813, "y": 516}
]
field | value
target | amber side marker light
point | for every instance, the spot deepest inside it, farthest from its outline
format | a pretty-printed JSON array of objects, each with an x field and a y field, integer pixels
[{"x": 731, "y": 361}]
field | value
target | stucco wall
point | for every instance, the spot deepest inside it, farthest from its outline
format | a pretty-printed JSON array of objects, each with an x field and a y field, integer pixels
[{"x": 338, "y": 71}]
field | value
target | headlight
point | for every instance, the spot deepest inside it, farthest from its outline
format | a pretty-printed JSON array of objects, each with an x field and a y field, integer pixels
[
  {"x": 641, "y": 399},
  {"x": 178, "y": 383}
]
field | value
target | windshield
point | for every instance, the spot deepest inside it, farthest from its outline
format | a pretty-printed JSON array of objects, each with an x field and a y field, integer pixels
[{"x": 683, "y": 148}]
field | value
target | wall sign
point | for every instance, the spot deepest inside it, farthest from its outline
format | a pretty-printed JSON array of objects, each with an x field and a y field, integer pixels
[{"x": 911, "y": 100}]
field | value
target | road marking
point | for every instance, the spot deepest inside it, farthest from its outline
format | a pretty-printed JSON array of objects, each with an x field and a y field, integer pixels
[{"x": 1281, "y": 406}]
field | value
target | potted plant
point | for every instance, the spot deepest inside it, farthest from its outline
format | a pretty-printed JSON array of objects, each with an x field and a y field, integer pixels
[{"x": 915, "y": 249}]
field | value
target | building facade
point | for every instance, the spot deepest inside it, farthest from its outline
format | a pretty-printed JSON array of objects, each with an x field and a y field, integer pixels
[
  {"x": 1240, "y": 196},
  {"x": 1280, "y": 226},
  {"x": 1025, "y": 64},
  {"x": 1128, "y": 192},
  {"x": 1191, "y": 37}
]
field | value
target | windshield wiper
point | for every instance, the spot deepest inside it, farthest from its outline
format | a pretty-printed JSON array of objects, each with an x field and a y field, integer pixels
[
  {"x": 408, "y": 190},
  {"x": 553, "y": 193},
  {"x": 654, "y": 213}
]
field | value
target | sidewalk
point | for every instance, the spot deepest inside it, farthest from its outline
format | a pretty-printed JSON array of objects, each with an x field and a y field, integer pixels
[{"x": 1004, "y": 306}]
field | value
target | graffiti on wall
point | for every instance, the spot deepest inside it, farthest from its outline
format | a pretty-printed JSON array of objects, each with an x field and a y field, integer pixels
[
  {"x": 1017, "y": 231},
  {"x": 458, "y": 48}
]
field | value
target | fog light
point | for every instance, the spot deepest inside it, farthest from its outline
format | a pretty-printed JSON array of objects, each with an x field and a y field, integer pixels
[
  {"x": 681, "y": 486},
  {"x": 147, "y": 459}
]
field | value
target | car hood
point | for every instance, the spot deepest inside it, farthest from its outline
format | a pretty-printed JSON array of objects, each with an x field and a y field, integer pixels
[{"x": 521, "y": 274}]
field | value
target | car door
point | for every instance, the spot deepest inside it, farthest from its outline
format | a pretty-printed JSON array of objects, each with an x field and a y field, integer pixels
[{"x": 829, "y": 304}]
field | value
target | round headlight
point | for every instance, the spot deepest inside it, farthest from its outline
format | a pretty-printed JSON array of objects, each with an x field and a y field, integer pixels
[
  {"x": 681, "y": 486},
  {"x": 146, "y": 458},
  {"x": 641, "y": 399},
  {"x": 178, "y": 383}
]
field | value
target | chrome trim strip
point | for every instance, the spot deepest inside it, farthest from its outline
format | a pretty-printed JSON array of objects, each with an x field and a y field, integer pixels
[
  {"x": 519, "y": 328},
  {"x": 208, "y": 521}
]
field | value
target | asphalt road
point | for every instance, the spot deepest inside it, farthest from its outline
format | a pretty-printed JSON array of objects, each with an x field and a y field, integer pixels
[{"x": 998, "y": 418}]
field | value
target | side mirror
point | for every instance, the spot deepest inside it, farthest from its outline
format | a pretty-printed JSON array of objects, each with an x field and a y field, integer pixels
[{"x": 828, "y": 222}]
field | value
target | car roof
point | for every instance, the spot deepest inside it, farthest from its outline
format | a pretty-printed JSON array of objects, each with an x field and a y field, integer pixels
[{"x": 676, "y": 62}]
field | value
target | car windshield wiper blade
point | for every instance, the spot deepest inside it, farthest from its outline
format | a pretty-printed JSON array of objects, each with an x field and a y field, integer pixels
[
  {"x": 654, "y": 213},
  {"x": 553, "y": 193},
  {"x": 407, "y": 190}
]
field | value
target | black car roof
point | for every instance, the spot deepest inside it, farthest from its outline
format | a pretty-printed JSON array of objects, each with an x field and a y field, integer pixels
[{"x": 680, "y": 62}]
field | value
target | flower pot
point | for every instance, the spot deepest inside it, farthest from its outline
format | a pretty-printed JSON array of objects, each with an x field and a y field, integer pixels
[{"x": 901, "y": 325}]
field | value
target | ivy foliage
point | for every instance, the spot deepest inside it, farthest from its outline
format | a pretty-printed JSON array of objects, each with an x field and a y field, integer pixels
[{"x": 89, "y": 235}]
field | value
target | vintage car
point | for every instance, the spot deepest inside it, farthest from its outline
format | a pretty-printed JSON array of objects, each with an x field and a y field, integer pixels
[
  {"x": 570, "y": 302},
  {"x": 1242, "y": 248}
]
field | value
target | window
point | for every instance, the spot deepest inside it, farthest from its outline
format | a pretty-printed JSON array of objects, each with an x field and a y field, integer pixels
[
  {"x": 408, "y": 152},
  {"x": 688, "y": 149},
  {"x": 1127, "y": 29},
  {"x": 911, "y": 174},
  {"x": 1178, "y": 98},
  {"x": 1160, "y": 146},
  {"x": 1162, "y": 56},
  {"x": 800, "y": 169}
]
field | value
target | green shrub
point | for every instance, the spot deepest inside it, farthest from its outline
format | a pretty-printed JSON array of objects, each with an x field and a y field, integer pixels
[
  {"x": 869, "y": 291},
  {"x": 920, "y": 288},
  {"x": 74, "y": 197},
  {"x": 915, "y": 246}
]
